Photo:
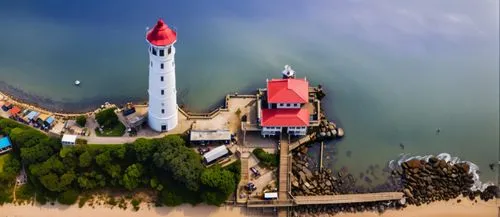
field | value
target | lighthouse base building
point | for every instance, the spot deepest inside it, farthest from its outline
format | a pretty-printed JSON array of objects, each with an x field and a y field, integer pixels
[{"x": 162, "y": 107}]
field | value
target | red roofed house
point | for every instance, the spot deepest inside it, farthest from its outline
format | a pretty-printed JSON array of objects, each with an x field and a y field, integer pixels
[
  {"x": 14, "y": 111},
  {"x": 286, "y": 100}
]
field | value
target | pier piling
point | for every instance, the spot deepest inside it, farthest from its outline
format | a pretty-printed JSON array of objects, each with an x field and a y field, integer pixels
[{"x": 321, "y": 157}]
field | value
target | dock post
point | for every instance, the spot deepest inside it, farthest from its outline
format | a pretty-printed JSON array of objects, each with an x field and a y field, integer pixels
[{"x": 321, "y": 157}]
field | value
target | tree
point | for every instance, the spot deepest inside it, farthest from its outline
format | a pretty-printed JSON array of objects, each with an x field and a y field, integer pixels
[
  {"x": 103, "y": 159},
  {"x": 85, "y": 159},
  {"x": 120, "y": 152},
  {"x": 131, "y": 178},
  {"x": 107, "y": 118},
  {"x": 218, "y": 184},
  {"x": 143, "y": 149},
  {"x": 68, "y": 197},
  {"x": 81, "y": 120},
  {"x": 114, "y": 170},
  {"x": 184, "y": 164},
  {"x": 91, "y": 180},
  {"x": 11, "y": 168}
]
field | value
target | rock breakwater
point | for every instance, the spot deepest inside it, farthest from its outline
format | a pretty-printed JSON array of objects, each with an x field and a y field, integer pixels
[{"x": 434, "y": 179}]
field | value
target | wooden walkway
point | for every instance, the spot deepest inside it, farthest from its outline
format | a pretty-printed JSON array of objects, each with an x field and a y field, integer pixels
[
  {"x": 283, "y": 168},
  {"x": 347, "y": 198},
  {"x": 301, "y": 141}
]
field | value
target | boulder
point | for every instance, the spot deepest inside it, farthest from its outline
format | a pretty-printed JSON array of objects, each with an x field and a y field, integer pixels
[{"x": 414, "y": 163}]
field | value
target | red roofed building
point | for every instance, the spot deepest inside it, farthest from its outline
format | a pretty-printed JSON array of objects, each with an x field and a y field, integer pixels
[
  {"x": 284, "y": 107},
  {"x": 283, "y": 91},
  {"x": 14, "y": 111}
]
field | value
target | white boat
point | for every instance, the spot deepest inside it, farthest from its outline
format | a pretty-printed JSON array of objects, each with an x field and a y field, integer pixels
[{"x": 77, "y": 82}]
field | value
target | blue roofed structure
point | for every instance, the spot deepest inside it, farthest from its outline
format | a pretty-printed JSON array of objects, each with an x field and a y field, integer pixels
[
  {"x": 32, "y": 115},
  {"x": 5, "y": 145},
  {"x": 50, "y": 120}
]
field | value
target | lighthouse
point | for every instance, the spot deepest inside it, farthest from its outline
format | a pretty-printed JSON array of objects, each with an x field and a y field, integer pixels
[{"x": 162, "y": 108}]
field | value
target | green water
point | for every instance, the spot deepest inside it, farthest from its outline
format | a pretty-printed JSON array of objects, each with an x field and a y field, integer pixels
[{"x": 393, "y": 72}]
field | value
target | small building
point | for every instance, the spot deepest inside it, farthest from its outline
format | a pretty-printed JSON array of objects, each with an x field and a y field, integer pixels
[
  {"x": 49, "y": 121},
  {"x": 5, "y": 145},
  {"x": 41, "y": 118},
  {"x": 33, "y": 115},
  {"x": 271, "y": 195},
  {"x": 68, "y": 139},
  {"x": 284, "y": 107},
  {"x": 6, "y": 106},
  {"x": 57, "y": 129},
  {"x": 14, "y": 111},
  {"x": 207, "y": 136},
  {"x": 215, "y": 154}
]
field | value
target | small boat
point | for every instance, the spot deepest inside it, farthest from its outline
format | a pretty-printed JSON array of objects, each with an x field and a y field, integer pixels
[{"x": 77, "y": 82}]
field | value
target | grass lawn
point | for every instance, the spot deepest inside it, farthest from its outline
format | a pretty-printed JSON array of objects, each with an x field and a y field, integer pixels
[
  {"x": 118, "y": 130},
  {"x": 2, "y": 161}
]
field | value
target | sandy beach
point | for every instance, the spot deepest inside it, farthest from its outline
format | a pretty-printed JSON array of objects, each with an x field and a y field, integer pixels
[{"x": 439, "y": 209}]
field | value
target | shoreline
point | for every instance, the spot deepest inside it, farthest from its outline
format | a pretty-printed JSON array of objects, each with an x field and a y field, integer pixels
[
  {"x": 466, "y": 208},
  {"x": 85, "y": 108},
  {"x": 45, "y": 104}
]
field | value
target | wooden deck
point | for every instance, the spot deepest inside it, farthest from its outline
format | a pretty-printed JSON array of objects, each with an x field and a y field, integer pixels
[
  {"x": 347, "y": 198},
  {"x": 283, "y": 168},
  {"x": 301, "y": 141}
]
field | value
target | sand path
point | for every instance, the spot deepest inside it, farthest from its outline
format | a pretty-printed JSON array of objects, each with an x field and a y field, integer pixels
[{"x": 439, "y": 209}]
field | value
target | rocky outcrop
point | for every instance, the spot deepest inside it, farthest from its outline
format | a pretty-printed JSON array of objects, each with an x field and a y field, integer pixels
[
  {"x": 328, "y": 130},
  {"x": 434, "y": 180}
]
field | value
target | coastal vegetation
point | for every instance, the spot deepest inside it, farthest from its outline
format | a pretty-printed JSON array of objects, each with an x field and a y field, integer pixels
[
  {"x": 81, "y": 120},
  {"x": 165, "y": 166},
  {"x": 265, "y": 159},
  {"x": 108, "y": 121}
]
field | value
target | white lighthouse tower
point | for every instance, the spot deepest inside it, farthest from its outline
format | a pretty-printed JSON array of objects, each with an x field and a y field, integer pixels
[{"x": 162, "y": 109}]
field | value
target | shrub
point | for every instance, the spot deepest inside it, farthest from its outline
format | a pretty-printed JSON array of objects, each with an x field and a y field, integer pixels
[
  {"x": 68, "y": 197},
  {"x": 111, "y": 201},
  {"x": 81, "y": 120},
  {"x": 266, "y": 160},
  {"x": 135, "y": 203},
  {"x": 25, "y": 192},
  {"x": 107, "y": 118},
  {"x": 83, "y": 200},
  {"x": 81, "y": 141},
  {"x": 40, "y": 198}
]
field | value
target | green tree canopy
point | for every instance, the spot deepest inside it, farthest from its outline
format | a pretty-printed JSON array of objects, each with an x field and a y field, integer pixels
[
  {"x": 107, "y": 118},
  {"x": 132, "y": 176},
  {"x": 81, "y": 120},
  {"x": 85, "y": 159},
  {"x": 218, "y": 184}
]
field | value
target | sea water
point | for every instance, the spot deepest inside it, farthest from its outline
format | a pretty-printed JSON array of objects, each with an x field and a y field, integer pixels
[{"x": 393, "y": 71}]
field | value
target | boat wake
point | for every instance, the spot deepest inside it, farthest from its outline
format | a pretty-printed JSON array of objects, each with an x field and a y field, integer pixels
[{"x": 474, "y": 169}]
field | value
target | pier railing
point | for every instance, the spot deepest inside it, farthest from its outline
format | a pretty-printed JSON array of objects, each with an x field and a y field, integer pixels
[{"x": 215, "y": 112}]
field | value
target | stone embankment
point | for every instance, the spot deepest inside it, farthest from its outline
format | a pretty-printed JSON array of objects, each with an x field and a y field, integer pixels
[{"x": 435, "y": 180}]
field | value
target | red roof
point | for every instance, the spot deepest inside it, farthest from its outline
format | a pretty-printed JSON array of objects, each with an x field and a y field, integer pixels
[
  {"x": 287, "y": 91},
  {"x": 285, "y": 117},
  {"x": 161, "y": 35},
  {"x": 15, "y": 110}
]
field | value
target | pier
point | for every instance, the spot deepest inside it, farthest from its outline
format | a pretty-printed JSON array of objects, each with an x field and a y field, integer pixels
[
  {"x": 286, "y": 199},
  {"x": 321, "y": 156}
]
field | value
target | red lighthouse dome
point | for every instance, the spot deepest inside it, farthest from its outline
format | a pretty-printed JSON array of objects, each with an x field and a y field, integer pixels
[{"x": 161, "y": 34}]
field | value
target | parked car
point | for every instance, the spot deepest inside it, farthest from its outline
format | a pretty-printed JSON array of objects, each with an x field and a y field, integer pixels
[
  {"x": 203, "y": 149},
  {"x": 251, "y": 187},
  {"x": 255, "y": 171}
]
